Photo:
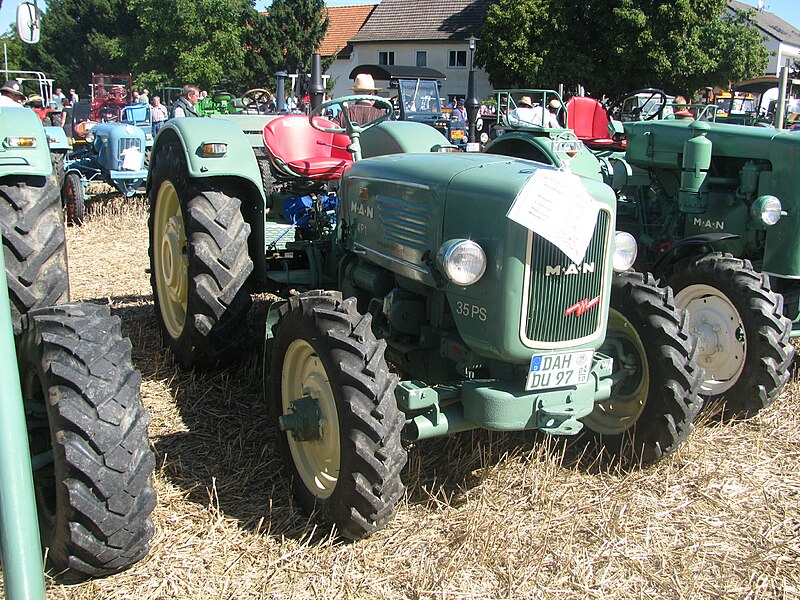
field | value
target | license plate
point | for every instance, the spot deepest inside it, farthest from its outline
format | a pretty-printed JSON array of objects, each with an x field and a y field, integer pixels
[
  {"x": 456, "y": 134},
  {"x": 559, "y": 369}
]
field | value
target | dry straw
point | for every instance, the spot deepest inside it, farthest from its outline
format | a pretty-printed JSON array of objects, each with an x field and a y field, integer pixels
[{"x": 485, "y": 515}]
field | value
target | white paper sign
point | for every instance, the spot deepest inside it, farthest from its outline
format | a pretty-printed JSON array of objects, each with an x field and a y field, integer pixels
[
  {"x": 131, "y": 159},
  {"x": 555, "y": 205}
]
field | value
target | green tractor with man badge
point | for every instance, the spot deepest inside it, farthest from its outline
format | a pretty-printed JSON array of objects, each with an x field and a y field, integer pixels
[{"x": 393, "y": 249}]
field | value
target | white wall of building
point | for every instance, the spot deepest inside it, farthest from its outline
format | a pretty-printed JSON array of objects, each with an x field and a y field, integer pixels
[{"x": 405, "y": 53}]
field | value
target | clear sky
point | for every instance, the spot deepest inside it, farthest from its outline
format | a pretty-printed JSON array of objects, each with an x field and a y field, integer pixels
[{"x": 788, "y": 10}]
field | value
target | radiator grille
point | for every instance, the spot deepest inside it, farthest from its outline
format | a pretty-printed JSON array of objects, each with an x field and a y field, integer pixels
[{"x": 564, "y": 299}]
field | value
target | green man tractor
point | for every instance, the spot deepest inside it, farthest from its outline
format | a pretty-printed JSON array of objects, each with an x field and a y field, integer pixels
[
  {"x": 75, "y": 462},
  {"x": 711, "y": 206},
  {"x": 391, "y": 248}
]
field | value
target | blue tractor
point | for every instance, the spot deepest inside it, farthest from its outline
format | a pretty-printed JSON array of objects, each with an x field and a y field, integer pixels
[{"x": 114, "y": 155}]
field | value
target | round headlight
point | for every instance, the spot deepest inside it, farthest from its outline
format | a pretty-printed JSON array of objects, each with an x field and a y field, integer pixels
[
  {"x": 625, "y": 251},
  {"x": 462, "y": 261},
  {"x": 767, "y": 210},
  {"x": 89, "y": 137}
]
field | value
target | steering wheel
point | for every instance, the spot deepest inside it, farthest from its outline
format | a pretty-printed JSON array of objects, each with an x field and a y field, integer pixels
[
  {"x": 258, "y": 98},
  {"x": 615, "y": 107},
  {"x": 346, "y": 102}
]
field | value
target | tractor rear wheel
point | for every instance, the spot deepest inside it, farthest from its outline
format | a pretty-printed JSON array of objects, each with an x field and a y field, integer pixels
[
  {"x": 652, "y": 409},
  {"x": 87, "y": 429},
  {"x": 199, "y": 265},
  {"x": 74, "y": 198},
  {"x": 338, "y": 423},
  {"x": 34, "y": 244},
  {"x": 743, "y": 335}
]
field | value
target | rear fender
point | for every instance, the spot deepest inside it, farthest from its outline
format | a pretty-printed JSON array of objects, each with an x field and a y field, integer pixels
[
  {"x": 689, "y": 246},
  {"x": 239, "y": 161}
]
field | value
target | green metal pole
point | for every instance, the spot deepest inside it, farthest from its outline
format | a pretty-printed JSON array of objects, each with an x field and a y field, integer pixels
[{"x": 19, "y": 527}]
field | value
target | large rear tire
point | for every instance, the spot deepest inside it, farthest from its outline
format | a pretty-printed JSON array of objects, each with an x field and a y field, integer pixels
[
  {"x": 85, "y": 414},
  {"x": 34, "y": 244},
  {"x": 338, "y": 423},
  {"x": 199, "y": 265},
  {"x": 744, "y": 337},
  {"x": 652, "y": 410}
]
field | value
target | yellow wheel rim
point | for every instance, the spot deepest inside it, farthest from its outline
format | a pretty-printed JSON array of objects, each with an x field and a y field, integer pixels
[
  {"x": 317, "y": 461},
  {"x": 171, "y": 260},
  {"x": 620, "y": 412}
]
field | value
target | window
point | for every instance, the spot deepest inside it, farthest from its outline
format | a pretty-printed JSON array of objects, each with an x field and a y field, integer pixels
[
  {"x": 422, "y": 58},
  {"x": 457, "y": 59},
  {"x": 385, "y": 58}
]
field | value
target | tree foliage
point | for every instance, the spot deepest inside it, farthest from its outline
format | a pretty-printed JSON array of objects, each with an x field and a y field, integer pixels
[
  {"x": 173, "y": 42},
  {"x": 614, "y": 46}
]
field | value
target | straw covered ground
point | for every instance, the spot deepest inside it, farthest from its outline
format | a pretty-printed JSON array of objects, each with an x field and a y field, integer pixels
[{"x": 484, "y": 516}]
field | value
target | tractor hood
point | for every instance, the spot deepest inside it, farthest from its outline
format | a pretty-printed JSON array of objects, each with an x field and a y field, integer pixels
[
  {"x": 398, "y": 211},
  {"x": 395, "y": 206}
]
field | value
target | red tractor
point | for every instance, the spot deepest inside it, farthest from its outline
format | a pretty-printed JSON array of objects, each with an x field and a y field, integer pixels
[{"x": 110, "y": 94}]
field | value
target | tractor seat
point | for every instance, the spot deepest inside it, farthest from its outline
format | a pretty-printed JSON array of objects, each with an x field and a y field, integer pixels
[
  {"x": 589, "y": 120},
  {"x": 298, "y": 150}
]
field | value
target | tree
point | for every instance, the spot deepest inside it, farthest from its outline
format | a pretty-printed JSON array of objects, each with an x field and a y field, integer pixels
[
  {"x": 81, "y": 37},
  {"x": 611, "y": 47},
  {"x": 190, "y": 41},
  {"x": 296, "y": 29}
]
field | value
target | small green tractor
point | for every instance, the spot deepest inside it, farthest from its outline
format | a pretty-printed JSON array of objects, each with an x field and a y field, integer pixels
[
  {"x": 392, "y": 248},
  {"x": 713, "y": 208},
  {"x": 75, "y": 463}
]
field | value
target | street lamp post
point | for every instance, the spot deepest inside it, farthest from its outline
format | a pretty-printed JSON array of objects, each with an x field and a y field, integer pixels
[{"x": 472, "y": 104}]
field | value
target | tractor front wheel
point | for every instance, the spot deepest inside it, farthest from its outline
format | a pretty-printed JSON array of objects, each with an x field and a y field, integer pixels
[
  {"x": 652, "y": 408},
  {"x": 199, "y": 265},
  {"x": 87, "y": 430},
  {"x": 743, "y": 335},
  {"x": 338, "y": 423},
  {"x": 74, "y": 198},
  {"x": 34, "y": 244}
]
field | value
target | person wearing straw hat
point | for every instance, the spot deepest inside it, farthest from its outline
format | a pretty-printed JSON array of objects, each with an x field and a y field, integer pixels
[
  {"x": 11, "y": 94},
  {"x": 524, "y": 113},
  {"x": 363, "y": 111}
]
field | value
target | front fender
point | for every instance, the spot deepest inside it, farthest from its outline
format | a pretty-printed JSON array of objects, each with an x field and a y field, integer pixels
[{"x": 239, "y": 160}]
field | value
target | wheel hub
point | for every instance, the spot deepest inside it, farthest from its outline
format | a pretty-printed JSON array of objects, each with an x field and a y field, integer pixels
[
  {"x": 310, "y": 415},
  {"x": 718, "y": 327},
  {"x": 171, "y": 263},
  {"x": 305, "y": 419}
]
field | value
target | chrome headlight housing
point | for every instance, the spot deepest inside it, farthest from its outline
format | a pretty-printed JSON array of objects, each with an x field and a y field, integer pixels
[
  {"x": 766, "y": 210},
  {"x": 625, "y": 251},
  {"x": 463, "y": 262}
]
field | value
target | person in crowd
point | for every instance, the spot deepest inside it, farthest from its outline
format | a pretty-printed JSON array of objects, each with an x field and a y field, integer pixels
[
  {"x": 58, "y": 97},
  {"x": 158, "y": 113},
  {"x": 459, "y": 112},
  {"x": 184, "y": 105},
  {"x": 67, "y": 119},
  {"x": 135, "y": 98},
  {"x": 362, "y": 111},
  {"x": 144, "y": 97},
  {"x": 73, "y": 96},
  {"x": 551, "y": 117},
  {"x": 11, "y": 94}
]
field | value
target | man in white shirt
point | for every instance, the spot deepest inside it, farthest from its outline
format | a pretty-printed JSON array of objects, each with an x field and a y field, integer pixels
[{"x": 525, "y": 114}]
